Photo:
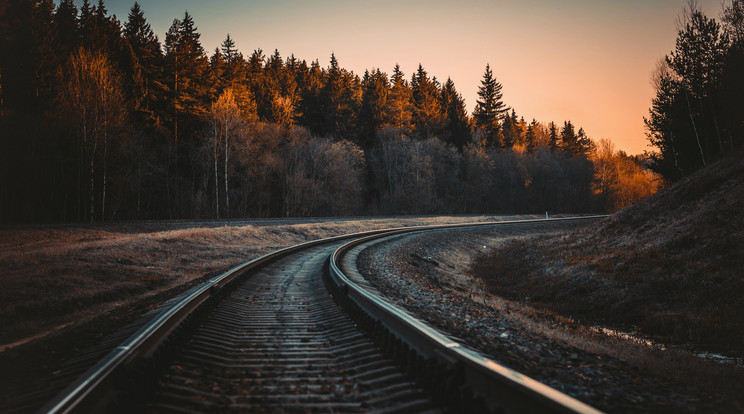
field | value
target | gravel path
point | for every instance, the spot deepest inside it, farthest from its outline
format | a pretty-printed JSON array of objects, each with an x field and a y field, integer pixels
[{"x": 428, "y": 275}]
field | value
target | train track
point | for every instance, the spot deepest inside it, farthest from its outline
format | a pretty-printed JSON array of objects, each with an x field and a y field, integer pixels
[{"x": 266, "y": 336}]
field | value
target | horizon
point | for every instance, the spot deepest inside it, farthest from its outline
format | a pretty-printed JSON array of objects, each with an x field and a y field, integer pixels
[{"x": 602, "y": 85}]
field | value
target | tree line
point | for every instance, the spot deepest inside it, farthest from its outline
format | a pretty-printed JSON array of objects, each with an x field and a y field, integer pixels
[
  {"x": 102, "y": 121},
  {"x": 697, "y": 115}
]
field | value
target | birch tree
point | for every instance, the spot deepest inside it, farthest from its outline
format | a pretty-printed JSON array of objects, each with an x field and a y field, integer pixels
[
  {"x": 226, "y": 123},
  {"x": 92, "y": 104}
]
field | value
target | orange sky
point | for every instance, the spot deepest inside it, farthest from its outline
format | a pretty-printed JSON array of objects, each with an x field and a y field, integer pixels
[{"x": 587, "y": 61}]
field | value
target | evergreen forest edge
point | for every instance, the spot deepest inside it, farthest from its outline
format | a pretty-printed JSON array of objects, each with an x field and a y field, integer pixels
[{"x": 101, "y": 121}]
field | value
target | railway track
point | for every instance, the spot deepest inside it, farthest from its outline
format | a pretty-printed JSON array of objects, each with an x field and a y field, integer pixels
[{"x": 266, "y": 336}]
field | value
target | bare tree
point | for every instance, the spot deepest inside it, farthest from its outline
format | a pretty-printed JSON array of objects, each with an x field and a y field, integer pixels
[
  {"x": 227, "y": 122},
  {"x": 92, "y": 104}
]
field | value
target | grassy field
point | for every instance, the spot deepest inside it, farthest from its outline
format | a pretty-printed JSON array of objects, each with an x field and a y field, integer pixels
[
  {"x": 51, "y": 277},
  {"x": 669, "y": 266}
]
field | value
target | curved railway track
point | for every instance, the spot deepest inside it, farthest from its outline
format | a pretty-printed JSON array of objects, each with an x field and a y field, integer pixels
[{"x": 266, "y": 336}]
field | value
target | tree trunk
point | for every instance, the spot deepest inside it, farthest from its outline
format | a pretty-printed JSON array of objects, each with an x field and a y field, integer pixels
[
  {"x": 227, "y": 192},
  {"x": 715, "y": 122},
  {"x": 216, "y": 174},
  {"x": 105, "y": 168},
  {"x": 92, "y": 194},
  {"x": 694, "y": 127}
]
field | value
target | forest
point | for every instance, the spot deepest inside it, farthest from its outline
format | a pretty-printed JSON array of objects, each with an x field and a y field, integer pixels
[{"x": 102, "y": 121}]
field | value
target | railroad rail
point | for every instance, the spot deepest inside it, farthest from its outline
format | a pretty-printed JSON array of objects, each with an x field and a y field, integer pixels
[{"x": 266, "y": 335}]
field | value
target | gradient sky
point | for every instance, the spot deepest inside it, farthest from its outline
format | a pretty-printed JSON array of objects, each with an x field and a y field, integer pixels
[{"x": 587, "y": 61}]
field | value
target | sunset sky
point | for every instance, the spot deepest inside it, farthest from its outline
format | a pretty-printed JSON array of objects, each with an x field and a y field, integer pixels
[{"x": 587, "y": 61}]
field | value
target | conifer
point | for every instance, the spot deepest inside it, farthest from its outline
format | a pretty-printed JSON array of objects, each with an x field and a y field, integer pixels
[
  {"x": 489, "y": 109},
  {"x": 399, "y": 109},
  {"x": 428, "y": 116},
  {"x": 457, "y": 129}
]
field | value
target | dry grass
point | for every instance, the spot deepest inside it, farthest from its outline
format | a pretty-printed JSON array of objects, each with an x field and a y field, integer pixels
[
  {"x": 51, "y": 277},
  {"x": 430, "y": 275},
  {"x": 669, "y": 266}
]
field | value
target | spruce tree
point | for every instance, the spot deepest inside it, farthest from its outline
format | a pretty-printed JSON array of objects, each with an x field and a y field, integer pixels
[
  {"x": 332, "y": 99},
  {"x": 65, "y": 20},
  {"x": 584, "y": 143},
  {"x": 457, "y": 129},
  {"x": 428, "y": 115},
  {"x": 311, "y": 108},
  {"x": 489, "y": 109},
  {"x": 229, "y": 51},
  {"x": 87, "y": 23},
  {"x": 698, "y": 60},
  {"x": 569, "y": 140},
  {"x": 217, "y": 77},
  {"x": 148, "y": 90},
  {"x": 399, "y": 109},
  {"x": 511, "y": 131},
  {"x": 256, "y": 75},
  {"x": 553, "y": 143},
  {"x": 530, "y": 137},
  {"x": 231, "y": 71},
  {"x": 186, "y": 80},
  {"x": 372, "y": 111}
]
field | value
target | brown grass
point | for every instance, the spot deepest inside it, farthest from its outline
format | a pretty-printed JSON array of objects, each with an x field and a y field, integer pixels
[
  {"x": 53, "y": 276},
  {"x": 669, "y": 266}
]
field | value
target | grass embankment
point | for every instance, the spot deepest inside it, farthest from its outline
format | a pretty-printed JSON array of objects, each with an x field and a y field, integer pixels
[{"x": 671, "y": 266}]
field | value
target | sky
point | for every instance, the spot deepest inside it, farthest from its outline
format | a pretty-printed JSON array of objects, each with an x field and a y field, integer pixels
[{"x": 587, "y": 61}]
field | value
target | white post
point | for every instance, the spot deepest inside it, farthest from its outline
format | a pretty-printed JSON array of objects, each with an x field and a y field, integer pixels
[{"x": 546, "y": 215}]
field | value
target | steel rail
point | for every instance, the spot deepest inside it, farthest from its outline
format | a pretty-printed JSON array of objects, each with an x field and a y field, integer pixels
[
  {"x": 97, "y": 383},
  {"x": 500, "y": 387},
  {"x": 146, "y": 340}
]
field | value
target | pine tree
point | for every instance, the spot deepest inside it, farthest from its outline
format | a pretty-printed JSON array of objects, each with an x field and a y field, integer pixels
[
  {"x": 281, "y": 96},
  {"x": 340, "y": 98},
  {"x": 732, "y": 83},
  {"x": 698, "y": 60},
  {"x": 147, "y": 91},
  {"x": 217, "y": 74},
  {"x": 228, "y": 69},
  {"x": 428, "y": 116},
  {"x": 399, "y": 109},
  {"x": 330, "y": 97},
  {"x": 87, "y": 23},
  {"x": 274, "y": 72},
  {"x": 530, "y": 137},
  {"x": 311, "y": 109},
  {"x": 186, "y": 81},
  {"x": 660, "y": 125},
  {"x": 28, "y": 62},
  {"x": 372, "y": 111},
  {"x": 584, "y": 143},
  {"x": 457, "y": 129},
  {"x": 229, "y": 52},
  {"x": 98, "y": 31},
  {"x": 187, "y": 65},
  {"x": 489, "y": 109},
  {"x": 65, "y": 20},
  {"x": 569, "y": 140},
  {"x": 511, "y": 131},
  {"x": 256, "y": 75},
  {"x": 553, "y": 143}
]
